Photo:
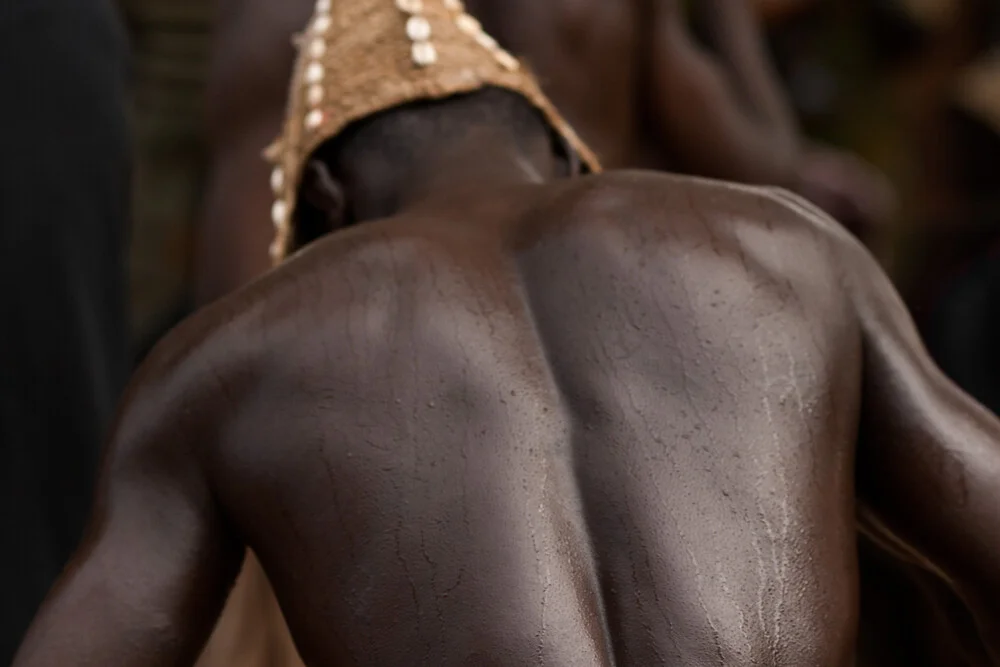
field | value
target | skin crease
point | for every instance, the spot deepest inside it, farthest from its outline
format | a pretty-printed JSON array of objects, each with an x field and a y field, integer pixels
[{"x": 619, "y": 420}]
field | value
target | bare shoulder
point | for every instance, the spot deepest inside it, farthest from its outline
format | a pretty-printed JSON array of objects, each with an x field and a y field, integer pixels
[
  {"x": 193, "y": 375},
  {"x": 694, "y": 242},
  {"x": 356, "y": 291},
  {"x": 679, "y": 204},
  {"x": 329, "y": 280}
]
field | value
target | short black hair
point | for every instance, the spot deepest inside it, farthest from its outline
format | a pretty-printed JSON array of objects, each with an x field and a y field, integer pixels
[
  {"x": 404, "y": 132},
  {"x": 400, "y": 136}
]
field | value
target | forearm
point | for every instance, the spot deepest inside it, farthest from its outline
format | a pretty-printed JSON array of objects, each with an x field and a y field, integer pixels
[
  {"x": 90, "y": 630},
  {"x": 236, "y": 229},
  {"x": 247, "y": 89},
  {"x": 131, "y": 606},
  {"x": 711, "y": 134},
  {"x": 737, "y": 38},
  {"x": 706, "y": 120}
]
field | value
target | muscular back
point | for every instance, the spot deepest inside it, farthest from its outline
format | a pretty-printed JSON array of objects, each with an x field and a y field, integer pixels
[
  {"x": 631, "y": 436},
  {"x": 614, "y": 422}
]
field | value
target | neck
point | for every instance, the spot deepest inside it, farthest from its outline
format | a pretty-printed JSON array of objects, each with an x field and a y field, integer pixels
[{"x": 462, "y": 168}]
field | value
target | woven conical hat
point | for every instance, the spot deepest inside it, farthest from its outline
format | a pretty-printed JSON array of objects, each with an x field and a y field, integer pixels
[{"x": 360, "y": 57}]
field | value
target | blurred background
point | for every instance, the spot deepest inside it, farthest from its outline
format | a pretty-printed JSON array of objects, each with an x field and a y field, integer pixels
[{"x": 913, "y": 86}]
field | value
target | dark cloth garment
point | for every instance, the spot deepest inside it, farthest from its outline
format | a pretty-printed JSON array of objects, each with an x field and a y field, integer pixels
[{"x": 63, "y": 355}]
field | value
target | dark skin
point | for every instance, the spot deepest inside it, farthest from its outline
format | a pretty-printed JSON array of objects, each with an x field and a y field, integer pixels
[
  {"x": 665, "y": 101},
  {"x": 627, "y": 419},
  {"x": 628, "y": 74},
  {"x": 661, "y": 100}
]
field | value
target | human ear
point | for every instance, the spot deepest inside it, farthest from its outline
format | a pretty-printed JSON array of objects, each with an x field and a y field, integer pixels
[
  {"x": 324, "y": 193},
  {"x": 569, "y": 158}
]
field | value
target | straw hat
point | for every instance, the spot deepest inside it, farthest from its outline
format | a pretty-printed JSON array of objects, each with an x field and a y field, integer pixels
[{"x": 359, "y": 57}]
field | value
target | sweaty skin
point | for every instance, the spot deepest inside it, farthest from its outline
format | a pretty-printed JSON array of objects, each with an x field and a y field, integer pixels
[{"x": 622, "y": 420}]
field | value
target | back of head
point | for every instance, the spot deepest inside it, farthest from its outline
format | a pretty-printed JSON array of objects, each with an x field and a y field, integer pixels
[
  {"x": 373, "y": 156},
  {"x": 404, "y": 133},
  {"x": 366, "y": 86}
]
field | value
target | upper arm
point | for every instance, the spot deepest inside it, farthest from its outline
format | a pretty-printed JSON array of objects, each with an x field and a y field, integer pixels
[
  {"x": 252, "y": 60},
  {"x": 929, "y": 456},
  {"x": 723, "y": 119},
  {"x": 149, "y": 581}
]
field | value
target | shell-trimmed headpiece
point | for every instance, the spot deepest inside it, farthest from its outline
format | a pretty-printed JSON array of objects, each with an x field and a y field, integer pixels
[{"x": 360, "y": 57}]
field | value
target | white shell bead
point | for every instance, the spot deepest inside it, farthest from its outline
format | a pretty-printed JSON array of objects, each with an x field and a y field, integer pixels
[
  {"x": 321, "y": 24},
  {"x": 410, "y": 6},
  {"x": 279, "y": 214},
  {"x": 314, "y": 73},
  {"x": 424, "y": 53},
  {"x": 486, "y": 41},
  {"x": 468, "y": 24},
  {"x": 315, "y": 95},
  {"x": 314, "y": 119},
  {"x": 317, "y": 48},
  {"x": 418, "y": 29},
  {"x": 507, "y": 61}
]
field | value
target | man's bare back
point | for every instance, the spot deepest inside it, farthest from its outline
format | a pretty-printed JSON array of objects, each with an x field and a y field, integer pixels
[
  {"x": 498, "y": 417},
  {"x": 525, "y": 436},
  {"x": 614, "y": 421}
]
